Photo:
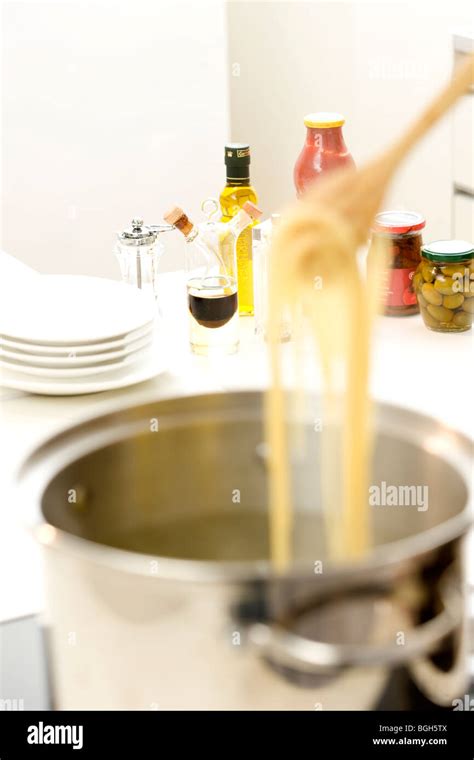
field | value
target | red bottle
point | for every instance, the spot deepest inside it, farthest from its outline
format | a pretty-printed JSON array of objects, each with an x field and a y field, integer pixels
[{"x": 324, "y": 149}]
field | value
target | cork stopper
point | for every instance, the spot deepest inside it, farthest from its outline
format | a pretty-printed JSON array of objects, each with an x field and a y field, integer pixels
[
  {"x": 178, "y": 219},
  {"x": 252, "y": 210}
]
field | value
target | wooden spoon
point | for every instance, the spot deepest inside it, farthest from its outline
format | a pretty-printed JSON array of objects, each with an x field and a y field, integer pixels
[{"x": 318, "y": 238}]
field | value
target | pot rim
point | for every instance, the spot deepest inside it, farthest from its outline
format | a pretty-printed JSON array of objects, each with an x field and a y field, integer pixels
[{"x": 33, "y": 477}]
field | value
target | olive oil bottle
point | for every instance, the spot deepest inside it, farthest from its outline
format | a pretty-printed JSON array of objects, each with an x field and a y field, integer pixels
[{"x": 238, "y": 191}]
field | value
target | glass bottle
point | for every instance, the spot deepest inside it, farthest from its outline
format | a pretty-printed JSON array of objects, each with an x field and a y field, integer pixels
[
  {"x": 262, "y": 236},
  {"x": 324, "y": 149},
  {"x": 212, "y": 279},
  {"x": 236, "y": 193}
]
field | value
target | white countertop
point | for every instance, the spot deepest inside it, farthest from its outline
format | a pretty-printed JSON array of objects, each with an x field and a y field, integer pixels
[{"x": 429, "y": 372}]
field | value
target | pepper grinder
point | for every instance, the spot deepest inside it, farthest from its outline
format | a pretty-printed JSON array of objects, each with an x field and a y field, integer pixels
[{"x": 139, "y": 252}]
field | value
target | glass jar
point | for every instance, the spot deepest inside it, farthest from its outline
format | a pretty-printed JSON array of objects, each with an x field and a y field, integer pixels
[
  {"x": 402, "y": 230},
  {"x": 324, "y": 149},
  {"x": 444, "y": 285}
]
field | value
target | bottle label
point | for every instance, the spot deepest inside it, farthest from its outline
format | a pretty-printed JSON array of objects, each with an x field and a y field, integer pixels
[
  {"x": 238, "y": 152},
  {"x": 245, "y": 271},
  {"x": 399, "y": 287}
]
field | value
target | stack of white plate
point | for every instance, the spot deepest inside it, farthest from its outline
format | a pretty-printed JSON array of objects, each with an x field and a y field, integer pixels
[{"x": 64, "y": 335}]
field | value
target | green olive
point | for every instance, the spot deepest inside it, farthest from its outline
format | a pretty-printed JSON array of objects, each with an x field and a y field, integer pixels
[
  {"x": 417, "y": 281},
  {"x": 431, "y": 295},
  {"x": 428, "y": 271},
  {"x": 451, "y": 269},
  {"x": 428, "y": 319},
  {"x": 462, "y": 319},
  {"x": 421, "y": 300},
  {"x": 460, "y": 284},
  {"x": 452, "y": 302},
  {"x": 444, "y": 285},
  {"x": 468, "y": 305},
  {"x": 440, "y": 313}
]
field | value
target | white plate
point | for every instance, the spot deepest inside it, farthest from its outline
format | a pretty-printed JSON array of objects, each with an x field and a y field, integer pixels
[
  {"x": 87, "y": 349},
  {"x": 154, "y": 364},
  {"x": 55, "y": 373},
  {"x": 70, "y": 361},
  {"x": 69, "y": 309}
]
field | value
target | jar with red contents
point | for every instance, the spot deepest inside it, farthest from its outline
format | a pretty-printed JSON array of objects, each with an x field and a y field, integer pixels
[{"x": 402, "y": 230}]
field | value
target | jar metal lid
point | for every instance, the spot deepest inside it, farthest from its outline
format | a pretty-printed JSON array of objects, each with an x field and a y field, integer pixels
[
  {"x": 398, "y": 222},
  {"x": 448, "y": 250}
]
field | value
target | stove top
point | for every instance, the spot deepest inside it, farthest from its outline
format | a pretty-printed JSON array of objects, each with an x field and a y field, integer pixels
[{"x": 23, "y": 665}]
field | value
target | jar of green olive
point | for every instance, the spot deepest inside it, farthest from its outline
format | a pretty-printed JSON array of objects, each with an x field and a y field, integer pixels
[{"x": 444, "y": 285}]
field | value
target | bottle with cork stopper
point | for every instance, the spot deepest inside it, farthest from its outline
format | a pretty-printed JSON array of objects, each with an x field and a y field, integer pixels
[{"x": 212, "y": 278}]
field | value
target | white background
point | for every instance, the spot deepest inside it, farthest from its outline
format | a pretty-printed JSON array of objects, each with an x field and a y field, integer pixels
[{"x": 110, "y": 109}]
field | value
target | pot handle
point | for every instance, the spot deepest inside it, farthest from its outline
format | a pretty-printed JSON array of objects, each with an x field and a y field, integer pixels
[
  {"x": 444, "y": 686},
  {"x": 305, "y": 655}
]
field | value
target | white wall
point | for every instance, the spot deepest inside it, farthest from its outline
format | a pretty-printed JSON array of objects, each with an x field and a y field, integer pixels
[
  {"x": 117, "y": 107},
  {"x": 109, "y": 109},
  {"x": 377, "y": 62}
]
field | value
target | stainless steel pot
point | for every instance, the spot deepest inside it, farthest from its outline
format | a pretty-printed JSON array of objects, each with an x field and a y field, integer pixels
[{"x": 159, "y": 590}]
